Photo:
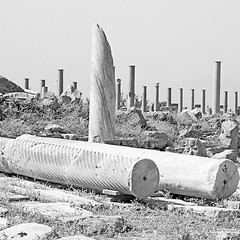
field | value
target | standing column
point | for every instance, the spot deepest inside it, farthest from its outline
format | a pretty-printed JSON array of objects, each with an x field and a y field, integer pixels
[
  {"x": 157, "y": 97},
  {"x": 236, "y": 103},
  {"x": 181, "y": 100},
  {"x": 169, "y": 100},
  {"x": 118, "y": 93},
  {"x": 43, "y": 84},
  {"x": 144, "y": 99},
  {"x": 132, "y": 86},
  {"x": 216, "y": 88},
  {"x": 226, "y": 101},
  {"x": 102, "y": 108},
  {"x": 192, "y": 99},
  {"x": 75, "y": 85},
  {"x": 203, "y": 101},
  {"x": 60, "y": 82},
  {"x": 26, "y": 83}
]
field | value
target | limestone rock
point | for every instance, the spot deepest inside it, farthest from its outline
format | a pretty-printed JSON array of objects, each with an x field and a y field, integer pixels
[
  {"x": 6, "y": 86},
  {"x": 103, "y": 89},
  {"x": 70, "y": 95},
  {"x": 229, "y": 134},
  {"x": 186, "y": 117},
  {"x": 227, "y": 154},
  {"x": 25, "y": 231},
  {"x": 195, "y": 147}
]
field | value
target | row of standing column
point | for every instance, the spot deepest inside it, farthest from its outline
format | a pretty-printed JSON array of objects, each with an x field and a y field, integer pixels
[{"x": 44, "y": 88}]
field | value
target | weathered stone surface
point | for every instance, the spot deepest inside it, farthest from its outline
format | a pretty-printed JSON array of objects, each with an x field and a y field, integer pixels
[
  {"x": 186, "y": 117},
  {"x": 25, "y": 187},
  {"x": 103, "y": 90},
  {"x": 70, "y": 95},
  {"x": 229, "y": 134},
  {"x": 227, "y": 154},
  {"x": 206, "y": 211},
  {"x": 76, "y": 237},
  {"x": 3, "y": 223},
  {"x": 54, "y": 210},
  {"x": 25, "y": 231},
  {"x": 195, "y": 147}
]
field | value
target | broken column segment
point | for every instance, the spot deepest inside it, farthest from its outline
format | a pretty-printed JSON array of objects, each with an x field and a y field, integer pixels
[
  {"x": 60, "y": 81},
  {"x": 144, "y": 99},
  {"x": 82, "y": 164},
  {"x": 103, "y": 90},
  {"x": 118, "y": 93},
  {"x": 26, "y": 83},
  {"x": 181, "y": 100},
  {"x": 157, "y": 97},
  {"x": 131, "y": 86},
  {"x": 216, "y": 88}
]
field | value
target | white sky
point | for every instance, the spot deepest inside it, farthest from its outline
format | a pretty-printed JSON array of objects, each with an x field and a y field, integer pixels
[{"x": 175, "y": 42}]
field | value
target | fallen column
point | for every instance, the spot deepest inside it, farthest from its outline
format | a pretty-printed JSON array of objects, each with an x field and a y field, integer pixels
[
  {"x": 195, "y": 176},
  {"x": 82, "y": 164},
  {"x": 128, "y": 170}
]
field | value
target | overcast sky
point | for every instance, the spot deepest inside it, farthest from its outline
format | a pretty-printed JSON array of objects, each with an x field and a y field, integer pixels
[{"x": 174, "y": 42}]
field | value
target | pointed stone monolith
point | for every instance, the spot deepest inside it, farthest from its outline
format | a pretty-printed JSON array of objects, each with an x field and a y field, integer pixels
[{"x": 103, "y": 89}]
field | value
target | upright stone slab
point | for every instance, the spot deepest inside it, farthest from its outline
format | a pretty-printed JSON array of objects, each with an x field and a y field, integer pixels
[{"x": 103, "y": 90}]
